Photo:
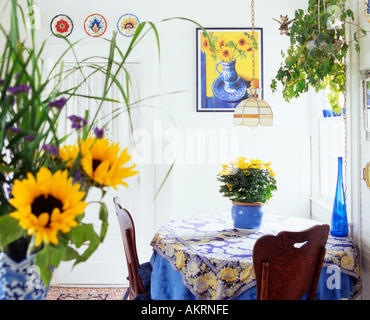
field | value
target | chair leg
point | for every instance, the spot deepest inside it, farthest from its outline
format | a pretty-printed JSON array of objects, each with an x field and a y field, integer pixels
[{"x": 126, "y": 294}]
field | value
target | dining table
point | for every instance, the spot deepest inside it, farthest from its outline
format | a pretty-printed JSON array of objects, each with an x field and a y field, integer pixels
[{"x": 203, "y": 257}]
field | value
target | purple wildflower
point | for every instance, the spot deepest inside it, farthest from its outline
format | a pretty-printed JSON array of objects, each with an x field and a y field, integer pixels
[
  {"x": 60, "y": 103},
  {"x": 99, "y": 133},
  {"x": 77, "y": 122},
  {"x": 21, "y": 88},
  {"x": 30, "y": 137},
  {"x": 14, "y": 129},
  {"x": 52, "y": 149},
  {"x": 77, "y": 178}
]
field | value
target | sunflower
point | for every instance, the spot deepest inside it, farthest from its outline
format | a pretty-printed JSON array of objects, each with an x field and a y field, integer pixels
[
  {"x": 204, "y": 43},
  {"x": 68, "y": 154},
  {"x": 242, "y": 41},
  {"x": 104, "y": 163},
  {"x": 221, "y": 43},
  {"x": 226, "y": 55},
  {"x": 47, "y": 204}
]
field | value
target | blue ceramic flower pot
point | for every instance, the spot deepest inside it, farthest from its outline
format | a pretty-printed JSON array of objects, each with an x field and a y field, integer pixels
[
  {"x": 247, "y": 217},
  {"x": 20, "y": 280}
]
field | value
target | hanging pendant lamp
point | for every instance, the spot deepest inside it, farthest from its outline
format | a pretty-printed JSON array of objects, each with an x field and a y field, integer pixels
[{"x": 253, "y": 111}]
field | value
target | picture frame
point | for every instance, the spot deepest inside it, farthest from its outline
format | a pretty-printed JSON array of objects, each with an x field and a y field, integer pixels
[{"x": 225, "y": 72}]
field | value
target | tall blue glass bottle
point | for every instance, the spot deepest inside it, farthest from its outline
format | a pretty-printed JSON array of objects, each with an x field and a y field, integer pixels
[{"x": 339, "y": 223}]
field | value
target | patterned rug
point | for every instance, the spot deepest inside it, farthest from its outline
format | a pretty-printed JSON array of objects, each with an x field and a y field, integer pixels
[{"x": 85, "y": 293}]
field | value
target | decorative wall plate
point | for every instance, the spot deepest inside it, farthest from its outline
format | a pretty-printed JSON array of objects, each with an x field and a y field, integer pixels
[
  {"x": 61, "y": 25},
  {"x": 95, "y": 25},
  {"x": 367, "y": 10},
  {"x": 127, "y": 24},
  {"x": 367, "y": 174}
]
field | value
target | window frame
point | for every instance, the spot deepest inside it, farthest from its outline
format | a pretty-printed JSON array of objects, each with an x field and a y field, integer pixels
[{"x": 322, "y": 132}]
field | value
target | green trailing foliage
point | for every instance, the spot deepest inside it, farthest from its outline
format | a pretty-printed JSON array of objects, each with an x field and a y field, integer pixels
[{"x": 317, "y": 53}]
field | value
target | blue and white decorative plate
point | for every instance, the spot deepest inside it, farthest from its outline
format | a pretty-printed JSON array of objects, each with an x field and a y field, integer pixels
[
  {"x": 127, "y": 24},
  {"x": 95, "y": 25},
  {"x": 61, "y": 25}
]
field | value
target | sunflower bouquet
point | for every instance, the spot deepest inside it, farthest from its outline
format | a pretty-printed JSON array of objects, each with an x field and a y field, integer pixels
[
  {"x": 247, "y": 181},
  {"x": 44, "y": 182},
  {"x": 222, "y": 49}
]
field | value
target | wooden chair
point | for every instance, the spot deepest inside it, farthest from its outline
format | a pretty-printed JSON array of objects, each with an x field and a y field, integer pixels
[
  {"x": 138, "y": 275},
  {"x": 288, "y": 265}
]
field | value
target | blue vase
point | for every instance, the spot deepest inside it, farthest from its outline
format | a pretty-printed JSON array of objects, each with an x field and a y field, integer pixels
[
  {"x": 247, "y": 217},
  {"x": 339, "y": 223},
  {"x": 20, "y": 280},
  {"x": 228, "y": 86}
]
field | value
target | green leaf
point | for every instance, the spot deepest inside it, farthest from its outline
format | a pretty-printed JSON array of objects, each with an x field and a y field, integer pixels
[
  {"x": 10, "y": 230},
  {"x": 85, "y": 234},
  {"x": 103, "y": 216},
  {"x": 78, "y": 235},
  {"x": 70, "y": 254},
  {"x": 273, "y": 85},
  {"x": 47, "y": 258},
  {"x": 357, "y": 48},
  {"x": 350, "y": 14}
]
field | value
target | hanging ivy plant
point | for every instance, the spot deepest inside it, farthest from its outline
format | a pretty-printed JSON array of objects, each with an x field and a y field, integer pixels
[{"x": 317, "y": 51}]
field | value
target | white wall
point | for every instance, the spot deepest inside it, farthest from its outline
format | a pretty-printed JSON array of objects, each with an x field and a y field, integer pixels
[
  {"x": 285, "y": 144},
  {"x": 193, "y": 186}
]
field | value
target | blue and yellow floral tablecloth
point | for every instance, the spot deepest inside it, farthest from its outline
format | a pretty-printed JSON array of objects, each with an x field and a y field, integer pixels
[{"x": 215, "y": 260}]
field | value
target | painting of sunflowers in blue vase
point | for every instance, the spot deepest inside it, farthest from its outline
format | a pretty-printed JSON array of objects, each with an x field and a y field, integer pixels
[{"x": 224, "y": 66}]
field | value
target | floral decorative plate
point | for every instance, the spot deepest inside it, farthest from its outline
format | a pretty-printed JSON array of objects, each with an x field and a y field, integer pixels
[
  {"x": 61, "y": 25},
  {"x": 95, "y": 25},
  {"x": 367, "y": 10},
  {"x": 127, "y": 24}
]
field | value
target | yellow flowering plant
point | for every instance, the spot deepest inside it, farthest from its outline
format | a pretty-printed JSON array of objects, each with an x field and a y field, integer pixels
[
  {"x": 248, "y": 181},
  {"x": 44, "y": 183}
]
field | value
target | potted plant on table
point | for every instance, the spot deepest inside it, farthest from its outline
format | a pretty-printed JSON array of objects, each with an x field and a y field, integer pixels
[{"x": 248, "y": 184}]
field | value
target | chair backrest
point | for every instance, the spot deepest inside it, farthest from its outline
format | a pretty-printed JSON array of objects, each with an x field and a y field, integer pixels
[
  {"x": 127, "y": 227},
  {"x": 288, "y": 265}
]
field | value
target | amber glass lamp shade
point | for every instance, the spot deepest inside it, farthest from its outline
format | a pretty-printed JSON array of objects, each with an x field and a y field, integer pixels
[{"x": 253, "y": 111}]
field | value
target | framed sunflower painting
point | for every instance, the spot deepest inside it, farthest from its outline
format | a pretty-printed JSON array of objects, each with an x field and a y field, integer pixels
[{"x": 225, "y": 66}]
